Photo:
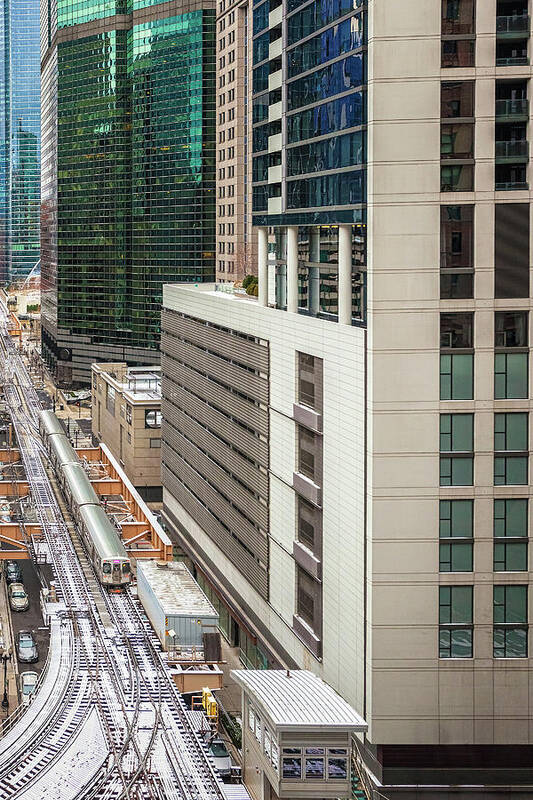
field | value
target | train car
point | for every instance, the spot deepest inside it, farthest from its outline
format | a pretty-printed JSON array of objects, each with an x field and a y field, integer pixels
[
  {"x": 77, "y": 488},
  {"x": 61, "y": 451},
  {"x": 106, "y": 551},
  {"x": 49, "y": 424}
]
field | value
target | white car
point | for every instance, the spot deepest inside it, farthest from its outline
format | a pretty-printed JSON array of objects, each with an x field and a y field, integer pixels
[
  {"x": 28, "y": 682},
  {"x": 222, "y": 759}
]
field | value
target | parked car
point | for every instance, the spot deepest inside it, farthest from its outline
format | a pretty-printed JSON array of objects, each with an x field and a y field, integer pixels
[
  {"x": 13, "y": 572},
  {"x": 18, "y": 599},
  {"x": 221, "y": 757},
  {"x": 27, "y": 651},
  {"x": 28, "y": 682}
]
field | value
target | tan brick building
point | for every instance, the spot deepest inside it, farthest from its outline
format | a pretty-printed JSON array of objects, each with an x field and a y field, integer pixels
[{"x": 126, "y": 416}]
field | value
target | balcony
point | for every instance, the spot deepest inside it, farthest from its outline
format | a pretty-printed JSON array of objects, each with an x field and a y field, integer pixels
[
  {"x": 512, "y": 61},
  {"x": 512, "y": 151},
  {"x": 512, "y": 26},
  {"x": 512, "y": 53},
  {"x": 515, "y": 110}
]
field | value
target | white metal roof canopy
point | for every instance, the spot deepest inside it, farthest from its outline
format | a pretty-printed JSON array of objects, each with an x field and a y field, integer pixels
[{"x": 297, "y": 699}]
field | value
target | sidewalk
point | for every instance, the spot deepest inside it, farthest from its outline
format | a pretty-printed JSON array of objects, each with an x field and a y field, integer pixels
[{"x": 12, "y": 666}]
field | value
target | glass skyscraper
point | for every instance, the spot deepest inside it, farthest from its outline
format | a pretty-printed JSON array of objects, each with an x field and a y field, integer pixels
[
  {"x": 19, "y": 138},
  {"x": 128, "y": 174}
]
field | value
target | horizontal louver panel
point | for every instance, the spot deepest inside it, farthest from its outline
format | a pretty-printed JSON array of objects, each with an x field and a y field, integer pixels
[
  {"x": 253, "y": 415},
  {"x": 227, "y": 343},
  {"x": 214, "y": 420},
  {"x": 238, "y": 495},
  {"x": 231, "y": 548},
  {"x": 221, "y": 509},
  {"x": 230, "y": 374},
  {"x": 230, "y": 459}
]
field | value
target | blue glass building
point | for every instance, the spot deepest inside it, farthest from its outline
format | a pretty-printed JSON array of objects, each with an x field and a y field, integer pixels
[
  {"x": 20, "y": 137},
  {"x": 309, "y": 143}
]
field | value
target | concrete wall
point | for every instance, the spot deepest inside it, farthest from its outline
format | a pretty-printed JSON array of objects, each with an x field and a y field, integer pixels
[
  {"x": 415, "y": 698},
  {"x": 342, "y": 349}
]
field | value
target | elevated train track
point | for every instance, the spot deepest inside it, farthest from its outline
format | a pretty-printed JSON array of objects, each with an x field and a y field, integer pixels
[{"x": 114, "y": 725}]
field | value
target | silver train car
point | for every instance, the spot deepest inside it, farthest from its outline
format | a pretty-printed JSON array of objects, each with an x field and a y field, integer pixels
[{"x": 107, "y": 553}]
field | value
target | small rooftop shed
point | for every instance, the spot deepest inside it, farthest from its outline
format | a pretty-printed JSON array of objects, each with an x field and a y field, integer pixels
[
  {"x": 173, "y": 601},
  {"x": 297, "y": 735}
]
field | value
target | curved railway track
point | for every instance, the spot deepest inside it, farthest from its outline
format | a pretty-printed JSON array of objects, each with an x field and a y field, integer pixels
[{"x": 115, "y": 675}]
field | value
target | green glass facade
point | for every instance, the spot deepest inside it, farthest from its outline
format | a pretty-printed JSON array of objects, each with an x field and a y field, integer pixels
[
  {"x": 173, "y": 161},
  {"x": 133, "y": 203}
]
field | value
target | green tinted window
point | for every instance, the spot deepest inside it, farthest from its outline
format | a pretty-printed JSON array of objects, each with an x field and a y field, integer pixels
[
  {"x": 456, "y": 376},
  {"x": 457, "y": 471},
  {"x": 456, "y": 432},
  {"x": 456, "y": 523},
  {"x": 510, "y": 432},
  {"x": 455, "y": 620},
  {"x": 510, "y": 375},
  {"x": 510, "y": 622}
]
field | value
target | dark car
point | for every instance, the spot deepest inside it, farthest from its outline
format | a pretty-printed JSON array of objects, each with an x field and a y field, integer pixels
[
  {"x": 27, "y": 651},
  {"x": 13, "y": 572}
]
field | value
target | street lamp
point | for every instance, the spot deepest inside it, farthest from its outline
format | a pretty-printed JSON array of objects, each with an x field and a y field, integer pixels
[{"x": 6, "y": 656}]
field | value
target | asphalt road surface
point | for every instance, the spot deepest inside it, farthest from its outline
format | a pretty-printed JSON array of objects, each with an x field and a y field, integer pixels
[{"x": 32, "y": 620}]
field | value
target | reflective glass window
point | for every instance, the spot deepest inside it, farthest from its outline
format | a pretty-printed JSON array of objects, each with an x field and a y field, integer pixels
[
  {"x": 332, "y": 153},
  {"x": 326, "y": 82},
  {"x": 510, "y": 621},
  {"x": 337, "y": 115},
  {"x": 347, "y": 188},
  {"x": 341, "y": 38}
]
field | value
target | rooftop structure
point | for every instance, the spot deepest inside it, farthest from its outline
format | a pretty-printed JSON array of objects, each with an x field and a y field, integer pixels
[
  {"x": 296, "y": 735},
  {"x": 176, "y": 590},
  {"x": 297, "y": 699}
]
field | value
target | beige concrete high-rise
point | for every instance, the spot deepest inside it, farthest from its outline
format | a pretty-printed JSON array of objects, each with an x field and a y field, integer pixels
[
  {"x": 364, "y": 510},
  {"x": 234, "y": 242}
]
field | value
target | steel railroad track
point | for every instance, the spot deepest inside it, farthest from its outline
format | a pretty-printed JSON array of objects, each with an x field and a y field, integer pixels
[{"x": 151, "y": 751}]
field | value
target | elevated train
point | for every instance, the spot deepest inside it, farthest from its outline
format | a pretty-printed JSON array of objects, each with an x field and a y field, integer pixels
[{"x": 106, "y": 551}]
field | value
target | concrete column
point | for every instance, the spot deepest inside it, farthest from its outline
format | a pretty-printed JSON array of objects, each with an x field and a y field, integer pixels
[
  {"x": 314, "y": 272},
  {"x": 314, "y": 291},
  {"x": 345, "y": 274},
  {"x": 262, "y": 266},
  {"x": 292, "y": 268}
]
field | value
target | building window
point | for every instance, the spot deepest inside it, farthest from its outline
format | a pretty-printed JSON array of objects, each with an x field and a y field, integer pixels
[
  {"x": 456, "y": 252},
  {"x": 309, "y": 526},
  {"x": 457, "y": 178},
  {"x": 455, "y": 621},
  {"x": 292, "y": 763},
  {"x": 511, "y": 441},
  {"x": 510, "y": 535},
  {"x": 511, "y": 373},
  {"x": 152, "y": 418},
  {"x": 308, "y": 595},
  {"x": 456, "y": 357},
  {"x": 310, "y": 381},
  {"x": 129, "y": 437},
  {"x": 510, "y": 622},
  {"x": 309, "y": 454},
  {"x": 110, "y": 399},
  {"x": 155, "y": 443},
  {"x": 457, "y": 437},
  {"x": 456, "y": 532}
]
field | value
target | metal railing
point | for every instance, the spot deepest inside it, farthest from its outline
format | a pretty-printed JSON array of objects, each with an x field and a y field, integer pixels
[
  {"x": 512, "y": 61},
  {"x": 505, "y": 186},
  {"x": 512, "y": 24},
  {"x": 516, "y": 149},
  {"x": 512, "y": 108}
]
